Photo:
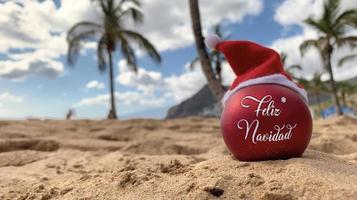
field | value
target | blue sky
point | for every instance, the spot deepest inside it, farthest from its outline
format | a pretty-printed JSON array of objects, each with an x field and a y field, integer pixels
[{"x": 53, "y": 87}]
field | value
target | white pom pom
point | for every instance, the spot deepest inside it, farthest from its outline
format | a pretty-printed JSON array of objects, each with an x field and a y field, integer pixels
[{"x": 212, "y": 40}]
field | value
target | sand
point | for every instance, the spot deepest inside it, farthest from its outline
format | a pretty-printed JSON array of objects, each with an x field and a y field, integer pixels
[{"x": 169, "y": 159}]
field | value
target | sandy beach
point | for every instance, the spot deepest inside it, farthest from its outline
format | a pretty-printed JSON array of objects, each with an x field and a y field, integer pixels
[{"x": 169, "y": 159}]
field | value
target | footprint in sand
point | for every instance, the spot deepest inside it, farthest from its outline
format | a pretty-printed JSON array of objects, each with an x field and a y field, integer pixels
[{"x": 28, "y": 144}]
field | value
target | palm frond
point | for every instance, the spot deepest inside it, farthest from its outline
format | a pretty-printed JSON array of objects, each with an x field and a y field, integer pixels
[
  {"x": 194, "y": 62},
  {"x": 217, "y": 30},
  {"x": 103, "y": 6},
  {"x": 110, "y": 4},
  {"x": 319, "y": 25},
  {"x": 144, "y": 44},
  {"x": 74, "y": 44},
  {"x": 78, "y": 33},
  {"x": 135, "y": 14},
  {"x": 308, "y": 44},
  {"x": 305, "y": 83},
  {"x": 81, "y": 27},
  {"x": 349, "y": 40},
  {"x": 215, "y": 55},
  {"x": 102, "y": 53},
  {"x": 351, "y": 20},
  {"x": 128, "y": 53},
  {"x": 320, "y": 44},
  {"x": 292, "y": 67},
  {"x": 348, "y": 17},
  {"x": 72, "y": 52},
  {"x": 346, "y": 87},
  {"x": 317, "y": 83},
  {"x": 346, "y": 59},
  {"x": 283, "y": 57},
  {"x": 330, "y": 11}
]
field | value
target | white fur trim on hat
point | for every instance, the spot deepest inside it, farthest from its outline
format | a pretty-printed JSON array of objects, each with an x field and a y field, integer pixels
[{"x": 275, "y": 78}]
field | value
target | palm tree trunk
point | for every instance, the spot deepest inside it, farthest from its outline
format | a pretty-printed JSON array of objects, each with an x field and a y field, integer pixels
[
  {"x": 318, "y": 101},
  {"x": 214, "y": 85},
  {"x": 344, "y": 98},
  {"x": 332, "y": 81},
  {"x": 112, "y": 112}
]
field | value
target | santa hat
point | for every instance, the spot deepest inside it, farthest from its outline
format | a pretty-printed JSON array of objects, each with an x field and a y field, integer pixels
[{"x": 253, "y": 64}]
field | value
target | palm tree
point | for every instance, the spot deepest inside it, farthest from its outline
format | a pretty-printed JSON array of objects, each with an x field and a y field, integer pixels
[
  {"x": 316, "y": 86},
  {"x": 213, "y": 83},
  {"x": 346, "y": 89},
  {"x": 216, "y": 57},
  {"x": 332, "y": 27},
  {"x": 289, "y": 69},
  {"x": 110, "y": 35}
]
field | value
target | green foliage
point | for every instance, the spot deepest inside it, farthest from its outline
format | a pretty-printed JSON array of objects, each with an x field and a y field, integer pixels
[
  {"x": 315, "y": 85},
  {"x": 111, "y": 33},
  {"x": 216, "y": 57},
  {"x": 346, "y": 91},
  {"x": 291, "y": 68},
  {"x": 332, "y": 25}
]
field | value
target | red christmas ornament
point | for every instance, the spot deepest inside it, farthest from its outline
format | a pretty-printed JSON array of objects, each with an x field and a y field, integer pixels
[
  {"x": 267, "y": 121},
  {"x": 265, "y": 113}
]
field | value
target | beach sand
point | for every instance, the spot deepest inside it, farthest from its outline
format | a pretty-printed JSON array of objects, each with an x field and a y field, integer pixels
[{"x": 166, "y": 159}]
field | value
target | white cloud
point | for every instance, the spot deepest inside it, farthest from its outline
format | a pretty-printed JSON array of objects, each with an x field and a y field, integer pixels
[
  {"x": 29, "y": 24},
  {"x": 8, "y": 98},
  {"x": 186, "y": 84},
  {"x": 177, "y": 86},
  {"x": 124, "y": 98},
  {"x": 30, "y": 65},
  {"x": 37, "y": 29},
  {"x": 150, "y": 89},
  {"x": 71, "y": 12},
  {"x": 95, "y": 85},
  {"x": 292, "y": 12},
  {"x": 295, "y": 11},
  {"x": 144, "y": 80},
  {"x": 175, "y": 31},
  {"x": 228, "y": 75},
  {"x": 311, "y": 62}
]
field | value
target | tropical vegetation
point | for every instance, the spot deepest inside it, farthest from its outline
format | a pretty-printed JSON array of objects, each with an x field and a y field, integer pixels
[
  {"x": 332, "y": 27},
  {"x": 111, "y": 34},
  {"x": 216, "y": 57},
  {"x": 213, "y": 83}
]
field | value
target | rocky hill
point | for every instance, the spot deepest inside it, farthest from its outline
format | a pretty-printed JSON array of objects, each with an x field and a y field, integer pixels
[{"x": 202, "y": 103}]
